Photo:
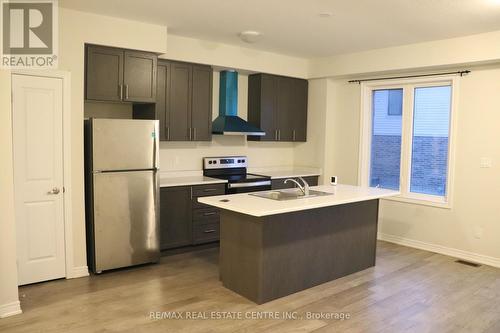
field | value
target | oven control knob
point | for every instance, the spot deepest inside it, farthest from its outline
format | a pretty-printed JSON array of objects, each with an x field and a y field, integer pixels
[
  {"x": 215, "y": 162},
  {"x": 242, "y": 161}
]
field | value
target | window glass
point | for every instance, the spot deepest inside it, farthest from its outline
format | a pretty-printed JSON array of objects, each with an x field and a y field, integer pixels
[
  {"x": 385, "y": 159},
  {"x": 395, "y": 102},
  {"x": 431, "y": 127}
]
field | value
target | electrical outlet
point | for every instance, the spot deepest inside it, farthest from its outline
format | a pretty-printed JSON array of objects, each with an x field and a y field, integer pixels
[{"x": 485, "y": 162}]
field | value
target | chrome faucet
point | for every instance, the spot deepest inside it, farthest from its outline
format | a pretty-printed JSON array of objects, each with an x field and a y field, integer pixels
[{"x": 304, "y": 188}]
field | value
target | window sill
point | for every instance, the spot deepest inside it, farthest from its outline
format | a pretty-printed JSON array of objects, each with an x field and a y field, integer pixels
[{"x": 420, "y": 201}]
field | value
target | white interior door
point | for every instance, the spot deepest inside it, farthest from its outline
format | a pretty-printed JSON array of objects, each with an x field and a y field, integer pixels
[{"x": 37, "y": 105}]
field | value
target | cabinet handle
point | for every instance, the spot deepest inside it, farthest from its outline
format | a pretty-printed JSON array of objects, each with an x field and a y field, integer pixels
[
  {"x": 276, "y": 135},
  {"x": 189, "y": 133},
  {"x": 120, "y": 88},
  {"x": 168, "y": 133},
  {"x": 209, "y": 190},
  {"x": 209, "y": 231},
  {"x": 194, "y": 133},
  {"x": 279, "y": 135},
  {"x": 209, "y": 213},
  {"x": 293, "y": 138},
  {"x": 126, "y": 91}
]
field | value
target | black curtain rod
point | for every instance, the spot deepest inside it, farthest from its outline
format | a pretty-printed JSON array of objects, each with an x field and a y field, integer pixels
[{"x": 461, "y": 73}]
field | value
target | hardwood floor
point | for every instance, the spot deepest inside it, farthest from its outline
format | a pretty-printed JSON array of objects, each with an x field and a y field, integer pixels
[{"x": 408, "y": 291}]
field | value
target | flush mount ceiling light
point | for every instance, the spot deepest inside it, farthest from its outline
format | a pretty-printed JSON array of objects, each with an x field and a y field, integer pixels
[
  {"x": 325, "y": 14},
  {"x": 250, "y": 36}
]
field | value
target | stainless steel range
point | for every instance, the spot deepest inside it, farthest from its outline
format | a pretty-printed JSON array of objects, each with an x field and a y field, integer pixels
[{"x": 234, "y": 170}]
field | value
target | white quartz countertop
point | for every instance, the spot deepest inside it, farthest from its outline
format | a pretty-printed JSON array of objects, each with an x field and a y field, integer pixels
[
  {"x": 278, "y": 173},
  {"x": 170, "y": 181},
  {"x": 256, "y": 206}
]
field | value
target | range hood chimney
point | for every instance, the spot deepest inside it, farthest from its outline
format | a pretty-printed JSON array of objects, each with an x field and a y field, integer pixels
[{"x": 228, "y": 122}]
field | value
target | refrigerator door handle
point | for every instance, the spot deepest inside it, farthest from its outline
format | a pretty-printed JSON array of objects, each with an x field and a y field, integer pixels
[
  {"x": 154, "y": 150},
  {"x": 155, "y": 147}
]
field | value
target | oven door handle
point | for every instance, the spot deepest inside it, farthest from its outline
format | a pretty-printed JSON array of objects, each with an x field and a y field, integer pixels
[{"x": 252, "y": 184}]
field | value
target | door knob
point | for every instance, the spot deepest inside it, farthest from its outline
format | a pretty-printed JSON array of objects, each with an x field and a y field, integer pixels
[{"x": 55, "y": 190}]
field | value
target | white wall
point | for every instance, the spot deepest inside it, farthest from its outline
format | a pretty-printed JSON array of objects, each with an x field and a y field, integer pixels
[
  {"x": 333, "y": 130},
  {"x": 229, "y": 56},
  {"x": 473, "y": 223},
  {"x": 448, "y": 53},
  {"x": 75, "y": 29},
  {"x": 471, "y": 227},
  {"x": 9, "y": 301},
  {"x": 342, "y": 131},
  {"x": 312, "y": 153}
]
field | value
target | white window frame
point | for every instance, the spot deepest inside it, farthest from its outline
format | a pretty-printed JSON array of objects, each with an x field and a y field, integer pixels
[{"x": 408, "y": 86}]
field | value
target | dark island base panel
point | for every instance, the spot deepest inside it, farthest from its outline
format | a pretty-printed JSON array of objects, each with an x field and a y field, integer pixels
[{"x": 264, "y": 258}]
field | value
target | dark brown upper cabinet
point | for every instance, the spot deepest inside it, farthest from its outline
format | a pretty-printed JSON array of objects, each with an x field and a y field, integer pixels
[
  {"x": 184, "y": 105},
  {"x": 118, "y": 75},
  {"x": 299, "y": 106},
  {"x": 104, "y": 74},
  {"x": 201, "y": 103},
  {"x": 178, "y": 110},
  {"x": 139, "y": 76},
  {"x": 278, "y": 105},
  {"x": 162, "y": 96}
]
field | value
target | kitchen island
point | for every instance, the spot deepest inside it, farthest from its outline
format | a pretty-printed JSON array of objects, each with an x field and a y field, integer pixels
[{"x": 270, "y": 249}]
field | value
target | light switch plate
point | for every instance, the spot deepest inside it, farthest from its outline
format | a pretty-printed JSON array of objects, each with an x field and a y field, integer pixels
[{"x": 485, "y": 162}]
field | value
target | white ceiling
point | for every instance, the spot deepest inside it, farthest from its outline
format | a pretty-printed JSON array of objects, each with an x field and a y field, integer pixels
[{"x": 294, "y": 27}]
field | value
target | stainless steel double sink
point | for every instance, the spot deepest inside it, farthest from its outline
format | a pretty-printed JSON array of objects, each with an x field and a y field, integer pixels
[{"x": 289, "y": 194}]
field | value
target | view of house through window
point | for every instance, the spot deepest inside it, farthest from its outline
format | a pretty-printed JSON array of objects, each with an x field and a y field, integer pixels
[
  {"x": 431, "y": 125},
  {"x": 386, "y": 138},
  {"x": 424, "y": 127}
]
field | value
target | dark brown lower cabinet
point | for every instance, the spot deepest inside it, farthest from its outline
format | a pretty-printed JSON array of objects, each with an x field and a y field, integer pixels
[
  {"x": 207, "y": 232},
  {"x": 278, "y": 184},
  {"x": 175, "y": 217},
  {"x": 264, "y": 258},
  {"x": 184, "y": 221}
]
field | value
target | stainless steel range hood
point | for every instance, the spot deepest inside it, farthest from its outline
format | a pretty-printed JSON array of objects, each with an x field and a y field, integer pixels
[{"x": 228, "y": 122}]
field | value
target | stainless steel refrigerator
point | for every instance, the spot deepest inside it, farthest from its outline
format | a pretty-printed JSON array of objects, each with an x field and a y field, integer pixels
[{"x": 121, "y": 192}]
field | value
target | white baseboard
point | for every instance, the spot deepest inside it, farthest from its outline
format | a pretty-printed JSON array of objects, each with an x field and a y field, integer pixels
[
  {"x": 10, "y": 309},
  {"x": 448, "y": 251},
  {"x": 78, "y": 272}
]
